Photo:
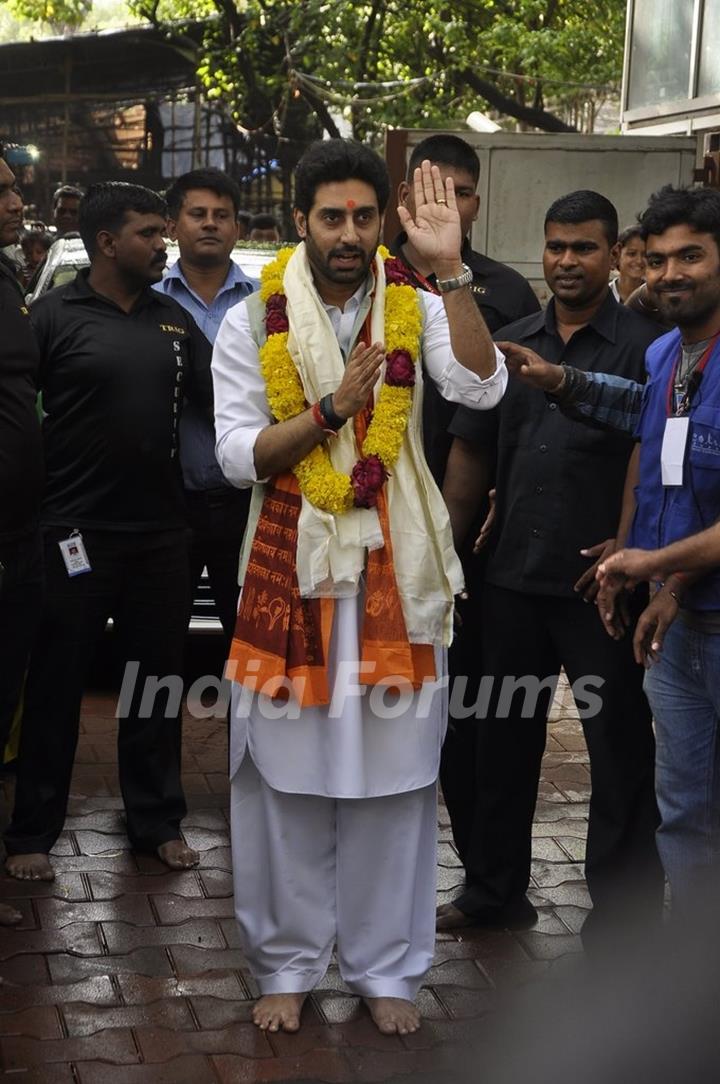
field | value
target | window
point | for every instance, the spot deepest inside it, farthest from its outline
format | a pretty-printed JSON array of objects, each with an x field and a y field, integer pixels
[
  {"x": 709, "y": 74},
  {"x": 660, "y": 51}
]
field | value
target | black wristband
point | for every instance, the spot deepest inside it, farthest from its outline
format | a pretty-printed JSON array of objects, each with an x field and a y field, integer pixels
[
  {"x": 576, "y": 382},
  {"x": 334, "y": 421}
]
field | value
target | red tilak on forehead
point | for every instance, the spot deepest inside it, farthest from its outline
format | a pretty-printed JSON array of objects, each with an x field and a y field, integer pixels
[{"x": 350, "y": 204}]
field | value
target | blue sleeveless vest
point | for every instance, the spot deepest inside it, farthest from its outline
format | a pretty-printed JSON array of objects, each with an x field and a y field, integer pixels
[{"x": 667, "y": 513}]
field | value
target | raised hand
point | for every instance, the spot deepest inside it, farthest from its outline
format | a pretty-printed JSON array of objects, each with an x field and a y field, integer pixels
[{"x": 435, "y": 230}]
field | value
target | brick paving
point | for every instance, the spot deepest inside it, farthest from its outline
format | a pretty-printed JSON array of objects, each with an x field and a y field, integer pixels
[{"x": 124, "y": 973}]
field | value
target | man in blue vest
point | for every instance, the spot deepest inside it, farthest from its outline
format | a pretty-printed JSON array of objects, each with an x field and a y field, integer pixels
[{"x": 676, "y": 417}]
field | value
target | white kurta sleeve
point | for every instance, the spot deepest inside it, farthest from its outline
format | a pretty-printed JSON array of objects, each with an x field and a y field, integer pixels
[
  {"x": 453, "y": 380},
  {"x": 241, "y": 406}
]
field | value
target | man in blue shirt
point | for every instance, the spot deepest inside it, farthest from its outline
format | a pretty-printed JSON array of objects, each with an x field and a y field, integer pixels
[
  {"x": 202, "y": 208},
  {"x": 676, "y": 416}
]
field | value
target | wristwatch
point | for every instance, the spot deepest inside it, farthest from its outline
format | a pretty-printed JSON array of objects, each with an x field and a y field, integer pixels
[{"x": 463, "y": 279}]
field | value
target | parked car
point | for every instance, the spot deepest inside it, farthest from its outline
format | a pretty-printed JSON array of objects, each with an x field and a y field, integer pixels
[{"x": 65, "y": 257}]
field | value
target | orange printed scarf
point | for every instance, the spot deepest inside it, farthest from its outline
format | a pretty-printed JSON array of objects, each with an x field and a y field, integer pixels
[{"x": 281, "y": 640}]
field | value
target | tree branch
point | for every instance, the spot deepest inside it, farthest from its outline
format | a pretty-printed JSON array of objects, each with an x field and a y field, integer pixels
[
  {"x": 231, "y": 15},
  {"x": 538, "y": 118},
  {"x": 362, "y": 72},
  {"x": 320, "y": 110}
]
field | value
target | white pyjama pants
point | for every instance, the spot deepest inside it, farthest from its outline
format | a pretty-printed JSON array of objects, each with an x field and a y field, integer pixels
[{"x": 312, "y": 872}]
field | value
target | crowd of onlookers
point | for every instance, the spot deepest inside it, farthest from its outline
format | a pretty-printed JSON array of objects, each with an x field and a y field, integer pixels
[
  {"x": 129, "y": 468},
  {"x": 38, "y": 236},
  {"x": 160, "y": 503}
]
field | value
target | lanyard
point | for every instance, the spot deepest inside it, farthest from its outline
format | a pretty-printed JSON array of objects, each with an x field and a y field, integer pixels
[
  {"x": 425, "y": 283},
  {"x": 677, "y": 408}
]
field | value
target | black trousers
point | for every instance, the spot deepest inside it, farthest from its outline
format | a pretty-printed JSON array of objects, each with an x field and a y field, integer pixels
[
  {"x": 21, "y": 594},
  {"x": 141, "y": 580},
  {"x": 534, "y": 636},
  {"x": 218, "y": 518}
]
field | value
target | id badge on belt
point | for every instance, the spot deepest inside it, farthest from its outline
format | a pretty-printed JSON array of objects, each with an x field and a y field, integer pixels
[{"x": 74, "y": 554}]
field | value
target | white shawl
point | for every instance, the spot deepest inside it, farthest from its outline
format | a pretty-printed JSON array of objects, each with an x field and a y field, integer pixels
[{"x": 331, "y": 551}]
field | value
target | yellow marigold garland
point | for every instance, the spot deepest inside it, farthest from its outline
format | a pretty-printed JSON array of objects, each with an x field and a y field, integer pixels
[
  {"x": 326, "y": 488},
  {"x": 271, "y": 276}
]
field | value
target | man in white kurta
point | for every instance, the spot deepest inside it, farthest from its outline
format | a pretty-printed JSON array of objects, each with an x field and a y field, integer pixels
[{"x": 334, "y": 806}]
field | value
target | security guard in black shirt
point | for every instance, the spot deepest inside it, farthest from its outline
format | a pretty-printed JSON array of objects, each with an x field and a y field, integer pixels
[
  {"x": 21, "y": 474},
  {"x": 559, "y": 491},
  {"x": 117, "y": 360},
  {"x": 501, "y": 293}
]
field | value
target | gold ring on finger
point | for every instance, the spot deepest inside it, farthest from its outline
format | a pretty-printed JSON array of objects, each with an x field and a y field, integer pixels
[{"x": 443, "y": 201}]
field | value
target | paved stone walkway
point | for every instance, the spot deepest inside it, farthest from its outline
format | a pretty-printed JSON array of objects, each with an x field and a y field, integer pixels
[{"x": 124, "y": 973}]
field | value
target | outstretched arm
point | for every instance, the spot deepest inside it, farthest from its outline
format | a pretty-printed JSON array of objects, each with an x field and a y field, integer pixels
[
  {"x": 603, "y": 399},
  {"x": 698, "y": 553}
]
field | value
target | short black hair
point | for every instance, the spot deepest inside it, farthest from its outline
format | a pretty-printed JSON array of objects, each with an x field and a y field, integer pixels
[
  {"x": 71, "y": 190},
  {"x": 629, "y": 234},
  {"x": 330, "y": 160},
  {"x": 446, "y": 150},
  {"x": 584, "y": 205},
  {"x": 213, "y": 179},
  {"x": 106, "y": 204},
  {"x": 698, "y": 208},
  {"x": 263, "y": 221},
  {"x": 45, "y": 238}
]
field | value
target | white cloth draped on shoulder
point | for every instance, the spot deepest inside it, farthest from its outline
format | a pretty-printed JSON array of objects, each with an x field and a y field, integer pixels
[{"x": 332, "y": 550}]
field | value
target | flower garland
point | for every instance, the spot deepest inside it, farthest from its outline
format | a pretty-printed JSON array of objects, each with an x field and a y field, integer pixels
[{"x": 326, "y": 488}]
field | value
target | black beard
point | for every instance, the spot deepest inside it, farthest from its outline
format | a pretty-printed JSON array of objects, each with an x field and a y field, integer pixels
[{"x": 351, "y": 276}]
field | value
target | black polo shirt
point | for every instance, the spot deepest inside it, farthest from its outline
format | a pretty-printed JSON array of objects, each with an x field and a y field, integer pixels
[
  {"x": 21, "y": 466},
  {"x": 113, "y": 384},
  {"x": 503, "y": 296},
  {"x": 559, "y": 482}
]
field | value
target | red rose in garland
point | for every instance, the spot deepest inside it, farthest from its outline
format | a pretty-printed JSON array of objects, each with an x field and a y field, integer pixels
[
  {"x": 397, "y": 273},
  {"x": 276, "y": 321},
  {"x": 367, "y": 479},
  {"x": 400, "y": 369}
]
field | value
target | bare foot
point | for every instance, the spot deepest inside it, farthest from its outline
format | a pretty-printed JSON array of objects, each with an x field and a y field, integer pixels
[
  {"x": 29, "y": 867},
  {"x": 177, "y": 855},
  {"x": 450, "y": 917},
  {"x": 9, "y": 916},
  {"x": 393, "y": 1015},
  {"x": 275, "y": 1012}
]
